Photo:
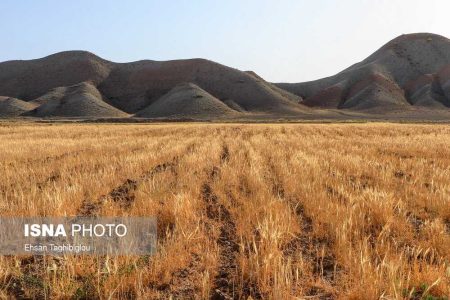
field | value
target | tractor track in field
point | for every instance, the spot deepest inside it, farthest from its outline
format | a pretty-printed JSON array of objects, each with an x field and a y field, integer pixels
[
  {"x": 324, "y": 265},
  {"x": 53, "y": 158},
  {"x": 124, "y": 194},
  {"x": 225, "y": 280},
  {"x": 56, "y": 175},
  {"x": 182, "y": 285}
]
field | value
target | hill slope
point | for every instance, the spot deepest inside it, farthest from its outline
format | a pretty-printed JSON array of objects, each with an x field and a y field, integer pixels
[
  {"x": 80, "y": 100},
  {"x": 131, "y": 87},
  {"x": 134, "y": 86},
  {"x": 190, "y": 101},
  {"x": 29, "y": 79},
  {"x": 410, "y": 70},
  {"x": 12, "y": 107}
]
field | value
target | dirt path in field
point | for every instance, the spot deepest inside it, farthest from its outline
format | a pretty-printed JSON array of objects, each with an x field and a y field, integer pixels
[{"x": 224, "y": 282}]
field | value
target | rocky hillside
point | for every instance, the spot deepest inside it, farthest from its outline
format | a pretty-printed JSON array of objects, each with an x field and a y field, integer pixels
[{"x": 411, "y": 70}]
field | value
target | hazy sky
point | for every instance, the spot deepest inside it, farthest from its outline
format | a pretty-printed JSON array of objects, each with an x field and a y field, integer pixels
[{"x": 284, "y": 40}]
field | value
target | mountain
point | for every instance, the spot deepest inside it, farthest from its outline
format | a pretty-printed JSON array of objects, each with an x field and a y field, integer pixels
[
  {"x": 408, "y": 78},
  {"x": 410, "y": 70},
  {"x": 131, "y": 87}
]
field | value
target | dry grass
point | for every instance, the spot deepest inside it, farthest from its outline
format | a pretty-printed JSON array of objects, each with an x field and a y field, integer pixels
[{"x": 337, "y": 211}]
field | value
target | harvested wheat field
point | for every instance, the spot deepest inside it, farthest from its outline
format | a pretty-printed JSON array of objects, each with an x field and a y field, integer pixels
[{"x": 306, "y": 211}]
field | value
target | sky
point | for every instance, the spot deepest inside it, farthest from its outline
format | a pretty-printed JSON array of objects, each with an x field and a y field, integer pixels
[{"x": 281, "y": 40}]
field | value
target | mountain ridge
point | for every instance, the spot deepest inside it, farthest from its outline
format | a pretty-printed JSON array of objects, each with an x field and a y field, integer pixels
[
  {"x": 407, "y": 75},
  {"x": 393, "y": 68},
  {"x": 133, "y": 86}
]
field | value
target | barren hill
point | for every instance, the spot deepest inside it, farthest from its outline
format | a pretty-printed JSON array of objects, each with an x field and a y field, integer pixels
[
  {"x": 131, "y": 87},
  {"x": 412, "y": 69},
  {"x": 29, "y": 79},
  {"x": 80, "y": 100},
  {"x": 134, "y": 86},
  {"x": 187, "y": 100},
  {"x": 12, "y": 107},
  {"x": 409, "y": 78}
]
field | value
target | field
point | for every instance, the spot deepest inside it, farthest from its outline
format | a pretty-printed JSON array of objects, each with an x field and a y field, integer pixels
[{"x": 314, "y": 211}]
